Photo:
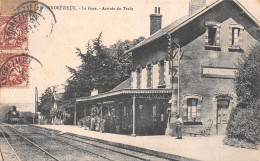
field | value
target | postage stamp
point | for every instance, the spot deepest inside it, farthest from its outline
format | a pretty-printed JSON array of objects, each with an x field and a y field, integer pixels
[
  {"x": 14, "y": 70},
  {"x": 17, "y": 36},
  {"x": 28, "y": 18}
]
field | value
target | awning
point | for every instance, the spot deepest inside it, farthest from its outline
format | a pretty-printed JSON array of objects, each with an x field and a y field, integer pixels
[{"x": 126, "y": 92}]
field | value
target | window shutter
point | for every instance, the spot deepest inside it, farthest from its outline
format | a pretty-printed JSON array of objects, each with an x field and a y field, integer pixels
[
  {"x": 230, "y": 36},
  {"x": 207, "y": 36},
  {"x": 240, "y": 41},
  {"x": 151, "y": 75},
  {"x": 143, "y": 78},
  {"x": 218, "y": 36},
  {"x": 199, "y": 111},
  {"x": 189, "y": 112},
  {"x": 155, "y": 75},
  {"x": 185, "y": 110},
  {"x": 167, "y": 74},
  {"x": 134, "y": 78}
]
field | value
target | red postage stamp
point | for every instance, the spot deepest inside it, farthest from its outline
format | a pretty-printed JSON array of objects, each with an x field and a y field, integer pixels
[
  {"x": 13, "y": 33},
  {"x": 14, "y": 70}
]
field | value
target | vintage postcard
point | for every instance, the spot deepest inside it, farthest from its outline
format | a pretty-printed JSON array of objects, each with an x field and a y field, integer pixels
[{"x": 130, "y": 80}]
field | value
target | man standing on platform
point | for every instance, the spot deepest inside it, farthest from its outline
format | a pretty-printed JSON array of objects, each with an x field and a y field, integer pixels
[{"x": 178, "y": 123}]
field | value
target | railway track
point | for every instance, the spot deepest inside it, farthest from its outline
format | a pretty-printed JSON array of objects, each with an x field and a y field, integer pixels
[
  {"x": 15, "y": 145},
  {"x": 66, "y": 147},
  {"x": 3, "y": 134},
  {"x": 101, "y": 150},
  {"x": 55, "y": 149},
  {"x": 101, "y": 146}
]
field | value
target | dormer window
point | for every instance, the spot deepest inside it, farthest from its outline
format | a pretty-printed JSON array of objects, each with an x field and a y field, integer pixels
[
  {"x": 236, "y": 37},
  {"x": 212, "y": 35},
  {"x": 161, "y": 74},
  {"x": 149, "y": 76},
  {"x": 212, "y": 32}
]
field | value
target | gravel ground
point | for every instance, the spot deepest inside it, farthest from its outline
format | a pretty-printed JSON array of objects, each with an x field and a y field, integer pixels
[
  {"x": 115, "y": 153},
  {"x": 66, "y": 147},
  {"x": 25, "y": 150}
]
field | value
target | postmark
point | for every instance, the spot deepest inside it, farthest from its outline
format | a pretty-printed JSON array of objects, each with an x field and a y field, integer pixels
[
  {"x": 44, "y": 16},
  {"x": 14, "y": 70},
  {"x": 29, "y": 18}
]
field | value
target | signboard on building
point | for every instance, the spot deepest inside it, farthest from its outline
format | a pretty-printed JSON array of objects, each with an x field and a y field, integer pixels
[{"x": 217, "y": 72}]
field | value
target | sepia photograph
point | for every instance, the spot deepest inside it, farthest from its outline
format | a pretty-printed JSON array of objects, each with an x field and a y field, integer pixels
[{"x": 129, "y": 80}]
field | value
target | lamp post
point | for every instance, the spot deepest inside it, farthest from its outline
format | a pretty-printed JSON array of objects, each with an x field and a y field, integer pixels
[{"x": 175, "y": 86}]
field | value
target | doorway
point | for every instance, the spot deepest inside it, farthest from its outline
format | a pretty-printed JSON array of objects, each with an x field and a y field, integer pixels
[{"x": 222, "y": 115}]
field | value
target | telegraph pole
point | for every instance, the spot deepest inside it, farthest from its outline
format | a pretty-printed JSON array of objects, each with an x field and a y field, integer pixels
[
  {"x": 36, "y": 103},
  {"x": 75, "y": 111},
  {"x": 175, "y": 86}
]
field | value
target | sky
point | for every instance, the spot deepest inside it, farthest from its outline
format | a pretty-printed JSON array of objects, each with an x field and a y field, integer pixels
[{"x": 74, "y": 28}]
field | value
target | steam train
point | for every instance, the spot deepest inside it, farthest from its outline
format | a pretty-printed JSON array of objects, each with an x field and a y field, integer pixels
[{"x": 13, "y": 116}]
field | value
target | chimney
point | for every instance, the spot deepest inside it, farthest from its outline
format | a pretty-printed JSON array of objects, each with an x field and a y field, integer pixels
[
  {"x": 195, "y": 5},
  {"x": 155, "y": 21}
]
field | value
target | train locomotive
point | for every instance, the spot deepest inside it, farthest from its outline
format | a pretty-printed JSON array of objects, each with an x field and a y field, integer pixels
[{"x": 13, "y": 116}]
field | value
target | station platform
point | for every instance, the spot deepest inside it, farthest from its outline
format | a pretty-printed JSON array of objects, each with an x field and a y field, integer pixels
[{"x": 209, "y": 148}]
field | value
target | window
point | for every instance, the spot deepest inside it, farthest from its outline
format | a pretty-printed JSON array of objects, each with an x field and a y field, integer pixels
[
  {"x": 192, "y": 109},
  {"x": 138, "y": 77},
  {"x": 212, "y": 35},
  {"x": 161, "y": 74},
  {"x": 149, "y": 76},
  {"x": 236, "y": 37}
]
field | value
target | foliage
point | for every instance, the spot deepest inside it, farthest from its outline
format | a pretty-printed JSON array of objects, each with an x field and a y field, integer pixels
[
  {"x": 244, "y": 121},
  {"x": 247, "y": 79},
  {"x": 45, "y": 103},
  {"x": 118, "y": 49},
  {"x": 102, "y": 68}
]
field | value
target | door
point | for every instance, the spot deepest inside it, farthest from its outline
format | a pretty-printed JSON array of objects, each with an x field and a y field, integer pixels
[{"x": 222, "y": 115}]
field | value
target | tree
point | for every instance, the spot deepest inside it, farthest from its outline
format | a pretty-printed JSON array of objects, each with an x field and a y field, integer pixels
[
  {"x": 45, "y": 103},
  {"x": 243, "y": 128},
  {"x": 118, "y": 49},
  {"x": 102, "y": 68}
]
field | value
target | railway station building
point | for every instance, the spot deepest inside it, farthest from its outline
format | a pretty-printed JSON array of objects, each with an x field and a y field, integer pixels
[{"x": 186, "y": 68}]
